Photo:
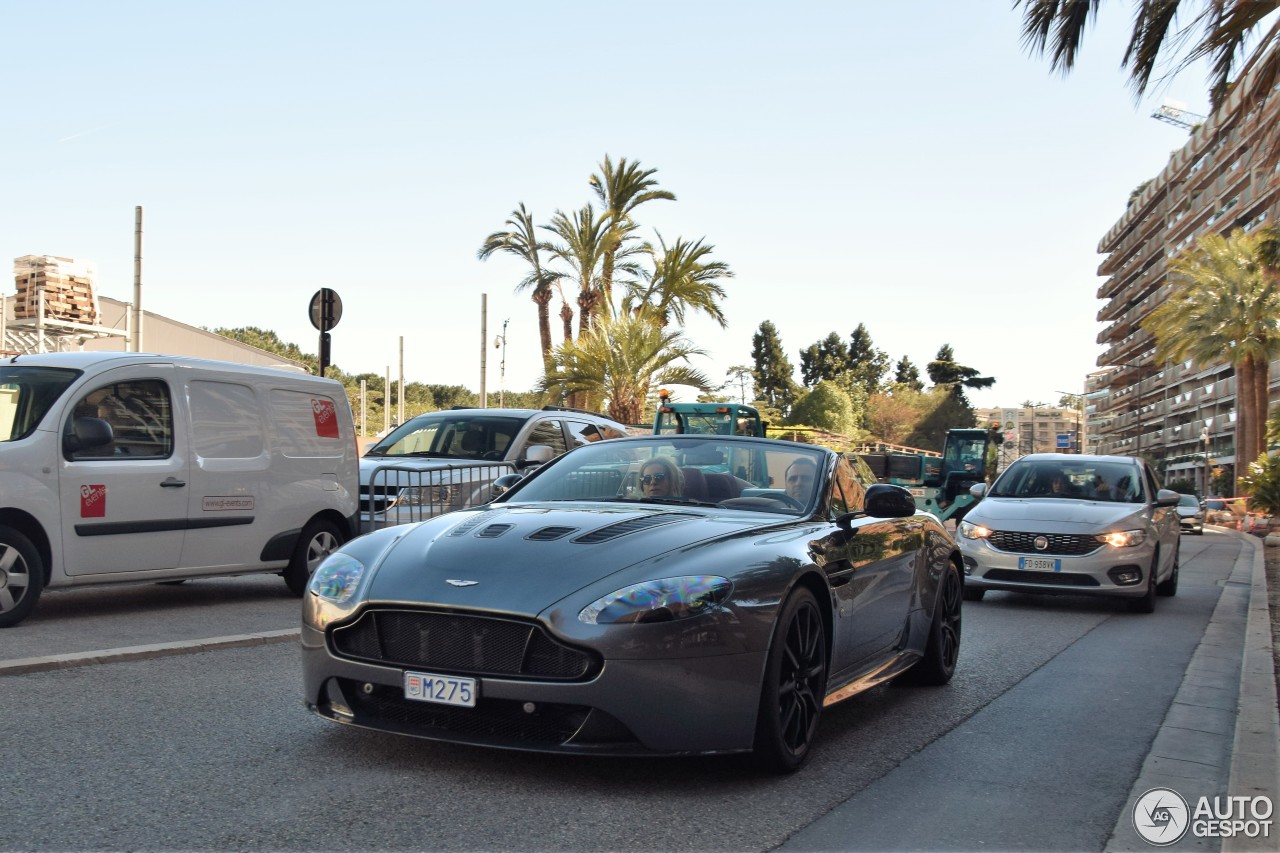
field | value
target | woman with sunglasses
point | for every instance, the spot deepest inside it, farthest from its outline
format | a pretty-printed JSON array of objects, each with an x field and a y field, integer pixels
[{"x": 661, "y": 478}]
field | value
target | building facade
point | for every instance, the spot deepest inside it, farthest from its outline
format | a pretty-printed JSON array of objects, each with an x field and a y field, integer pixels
[
  {"x": 1180, "y": 416},
  {"x": 1035, "y": 429}
]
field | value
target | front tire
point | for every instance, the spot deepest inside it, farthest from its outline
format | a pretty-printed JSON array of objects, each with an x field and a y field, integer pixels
[
  {"x": 795, "y": 680},
  {"x": 21, "y": 577},
  {"x": 943, "y": 650},
  {"x": 319, "y": 539},
  {"x": 1147, "y": 603},
  {"x": 1169, "y": 588}
]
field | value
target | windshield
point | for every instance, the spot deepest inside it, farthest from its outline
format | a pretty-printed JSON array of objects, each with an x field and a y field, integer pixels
[
  {"x": 27, "y": 394},
  {"x": 763, "y": 476},
  {"x": 1189, "y": 500},
  {"x": 1085, "y": 479},
  {"x": 450, "y": 436}
]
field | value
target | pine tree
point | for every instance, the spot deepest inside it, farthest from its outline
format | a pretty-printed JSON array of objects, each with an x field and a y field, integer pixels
[{"x": 772, "y": 370}]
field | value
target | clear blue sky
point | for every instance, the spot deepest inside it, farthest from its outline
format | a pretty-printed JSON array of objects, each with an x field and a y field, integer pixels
[{"x": 905, "y": 165}]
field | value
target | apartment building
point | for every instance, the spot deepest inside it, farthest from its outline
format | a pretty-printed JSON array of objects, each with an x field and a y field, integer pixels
[
  {"x": 1035, "y": 429},
  {"x": 1181, "y": 416}
]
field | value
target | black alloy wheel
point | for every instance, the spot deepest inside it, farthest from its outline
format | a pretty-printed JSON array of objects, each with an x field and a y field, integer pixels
[
  {"x": 794, "y": 686},
  {"x": 943, "y": 649},
  {"x": 21, "y": 576},
  {"x": 319, "y": 539}
]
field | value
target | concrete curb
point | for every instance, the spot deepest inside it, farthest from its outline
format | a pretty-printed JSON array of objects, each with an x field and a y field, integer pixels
[
  {"x": 1255, "y": 758},
  {"x": 45, "y": 663},
  {"x": 1215, "y": 740}
]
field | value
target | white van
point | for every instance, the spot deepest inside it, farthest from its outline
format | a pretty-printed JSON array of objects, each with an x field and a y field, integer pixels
[{"x": 127, "y": 467}]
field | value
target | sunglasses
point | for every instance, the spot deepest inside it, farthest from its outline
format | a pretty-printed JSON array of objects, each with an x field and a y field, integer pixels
[{"x": 653, "y": 478}]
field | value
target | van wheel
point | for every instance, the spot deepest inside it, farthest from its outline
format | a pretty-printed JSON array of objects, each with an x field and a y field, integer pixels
[
  {"x": 21, "y": 577},
  {"x": 319, "y": 539}
]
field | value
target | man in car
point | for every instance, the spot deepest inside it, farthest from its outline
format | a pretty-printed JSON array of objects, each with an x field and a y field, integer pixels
[{"x": 799, "y": 478}]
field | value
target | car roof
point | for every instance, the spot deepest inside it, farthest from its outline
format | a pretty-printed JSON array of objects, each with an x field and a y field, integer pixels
[
  {"x": 1076, "y": 457},
  {"x": 517, "y": 413}
]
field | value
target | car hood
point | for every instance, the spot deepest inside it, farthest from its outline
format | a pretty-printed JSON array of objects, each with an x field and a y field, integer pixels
[
  {"x": 522, "y": 559},
  {"x": 1034, "y": 513}
]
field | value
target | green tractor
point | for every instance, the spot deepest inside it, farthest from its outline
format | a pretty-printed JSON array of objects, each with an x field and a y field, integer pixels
[
  {"x": 706, "y": 418},
  {"x": 940, "y": 483}
]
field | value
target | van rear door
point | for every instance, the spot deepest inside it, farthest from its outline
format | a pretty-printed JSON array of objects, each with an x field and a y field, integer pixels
[{"x": 124, "y": 505}]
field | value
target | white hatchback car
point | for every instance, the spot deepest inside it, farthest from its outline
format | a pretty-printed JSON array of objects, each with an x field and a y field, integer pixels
[{"x": 1072, "y": 524}]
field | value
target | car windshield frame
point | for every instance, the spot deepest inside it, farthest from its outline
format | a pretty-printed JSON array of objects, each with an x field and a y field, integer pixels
[
  {"x": 27, "y": 394},
  {"x": 611, "y": 472},
  {"x": 1078, "y": 478}
]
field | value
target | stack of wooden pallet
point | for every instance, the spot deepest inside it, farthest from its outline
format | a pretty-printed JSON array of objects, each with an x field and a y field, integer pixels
[{"x": 67, "y": 286}]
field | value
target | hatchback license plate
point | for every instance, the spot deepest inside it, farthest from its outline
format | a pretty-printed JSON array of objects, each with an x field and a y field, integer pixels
[
  {"x": 441, "y": 689},
  {"x": 1039, "y": 564}
]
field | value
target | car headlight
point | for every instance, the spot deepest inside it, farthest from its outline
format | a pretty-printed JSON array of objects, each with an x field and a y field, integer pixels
[
  {"x": 969, "y": 530},
  {"x": 659, "y": 601},
  {"x": 1123, "y": 538},
  {"x": 337, "y": 578},
  {"x": 426, "y": 496}
]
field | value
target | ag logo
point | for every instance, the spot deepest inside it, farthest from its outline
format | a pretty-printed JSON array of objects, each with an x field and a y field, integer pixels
[
  {"x": 326, "y": 417},
  {"x": 1161, "y": 816}
]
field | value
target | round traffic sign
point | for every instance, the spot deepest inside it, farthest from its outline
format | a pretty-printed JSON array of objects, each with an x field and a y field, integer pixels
[{"x": 326, "y": 309}]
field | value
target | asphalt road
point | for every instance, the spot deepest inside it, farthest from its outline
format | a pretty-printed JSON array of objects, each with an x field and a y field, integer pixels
[{"x": 1035, "y": 744}]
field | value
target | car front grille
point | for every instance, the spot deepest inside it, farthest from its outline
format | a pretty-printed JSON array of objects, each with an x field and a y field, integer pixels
[
  {"x": 1061, "y": 544},
  {"x": 1051, "y": 578},
  {"x": 461, "y": 643},
  {"x": 492, "y": 721}
]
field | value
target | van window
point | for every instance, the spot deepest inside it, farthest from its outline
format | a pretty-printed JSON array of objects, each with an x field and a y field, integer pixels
[
  {"x": 141, "y": 418},
  {"x": 225, "y": 420},
  {"x": 26, "y": 395},
  {"x": 307, "y": 423}
]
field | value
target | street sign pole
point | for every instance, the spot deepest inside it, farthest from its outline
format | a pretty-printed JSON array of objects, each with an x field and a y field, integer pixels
[{"x": 325, "y": 311}]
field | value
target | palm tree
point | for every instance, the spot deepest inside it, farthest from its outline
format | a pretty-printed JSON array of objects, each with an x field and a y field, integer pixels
[
  {"x": 582, "y": 249},
  {"x": 1223, "y": 306},
  {"x": 621, "y": 189},
  {"x": 682, "y": 280},
  {"x": 1218, "y": 31},
  {"x": 522, "y": 241},
  {"x": 619, "y": 359}
]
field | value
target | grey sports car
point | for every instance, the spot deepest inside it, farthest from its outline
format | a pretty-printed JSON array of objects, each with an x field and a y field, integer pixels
[{"x": 682, "y": 594}]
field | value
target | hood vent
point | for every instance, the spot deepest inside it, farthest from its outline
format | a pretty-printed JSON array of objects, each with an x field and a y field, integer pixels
[
  {"x": 547, "y": 534},
  {"x": 622, "y": 528},
  {"x": 471, "y": 524},
  {"x": 493, "y": 531}
]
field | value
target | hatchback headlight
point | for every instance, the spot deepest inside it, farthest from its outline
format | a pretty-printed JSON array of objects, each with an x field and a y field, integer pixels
[
  {"x": 659, "y": 601},
  {"x": 1123, "y": 538},
  {"x": 969, "y": 530}
]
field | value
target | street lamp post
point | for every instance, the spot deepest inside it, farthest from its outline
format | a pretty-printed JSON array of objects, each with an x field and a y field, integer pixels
[
  {"x": 1078, "y": 407},
  {"x": 1204, "y": 436},
  {"x": 501, "y": 343}
]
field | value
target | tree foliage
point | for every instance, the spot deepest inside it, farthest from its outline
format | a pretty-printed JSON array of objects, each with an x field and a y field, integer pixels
[
  {"x": 826, "y": 406},
  {"x": 772, "y": 370}
]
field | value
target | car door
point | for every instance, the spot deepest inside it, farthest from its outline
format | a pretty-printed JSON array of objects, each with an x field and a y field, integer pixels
[
  {"x": 871, "y": 568},
  {"x": 124, "y": 505}
]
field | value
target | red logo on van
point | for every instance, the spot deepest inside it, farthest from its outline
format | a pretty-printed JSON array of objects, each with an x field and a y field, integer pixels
[
  {"x": 326, "y": 416},
  {"x": 93, "y": 501}
]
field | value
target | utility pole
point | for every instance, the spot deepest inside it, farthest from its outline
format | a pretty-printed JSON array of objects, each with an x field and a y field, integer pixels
[{"x": 501, "y": 342}]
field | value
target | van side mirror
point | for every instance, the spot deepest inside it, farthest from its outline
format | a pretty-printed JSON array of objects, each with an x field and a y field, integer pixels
[
  {"x": 537, "y": 454},
  {"x": 87, "y": 433}
]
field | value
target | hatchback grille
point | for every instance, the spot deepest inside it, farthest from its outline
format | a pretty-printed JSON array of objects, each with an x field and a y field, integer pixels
[
  {"x": 1051, "y": 578},
  {"x": 1062, "y": 544},
  {"x": 461, "y": 643}
]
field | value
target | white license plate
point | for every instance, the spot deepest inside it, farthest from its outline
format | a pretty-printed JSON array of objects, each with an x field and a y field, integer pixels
[
  {"x": 1039, "y": 564},
  {"x": 441, "y": 689}
]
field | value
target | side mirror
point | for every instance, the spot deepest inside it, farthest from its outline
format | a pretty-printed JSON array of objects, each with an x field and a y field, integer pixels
[
  {"x": 87, "y": 433},
  {"x": 978, "y": 490},
  {"x": 889, "y": 501},
  {"x": 503, "y": 484},
  {"x": 1167, "y": 497},
  {"x": 537, "y": 454}
]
